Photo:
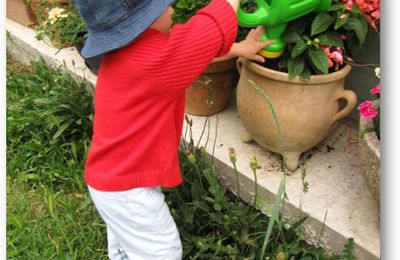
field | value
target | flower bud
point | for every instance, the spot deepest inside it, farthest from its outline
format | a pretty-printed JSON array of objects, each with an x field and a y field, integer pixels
[
  {"x": 232, "y": 155},
  {"x": 253, "y": 163}
]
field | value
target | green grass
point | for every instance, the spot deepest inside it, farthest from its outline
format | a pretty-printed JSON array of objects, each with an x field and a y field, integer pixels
[
  {"x": 48, "y": 126},
  {"x": 50, "y": 214},
  {"x": 43, "y": 224}
]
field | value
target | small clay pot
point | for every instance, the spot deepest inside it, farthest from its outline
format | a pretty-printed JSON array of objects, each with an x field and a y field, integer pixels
[{"x": 209, "y": 94}]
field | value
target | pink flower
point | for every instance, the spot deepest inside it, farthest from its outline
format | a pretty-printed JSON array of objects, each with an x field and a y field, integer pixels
[
  {"x": 330, "y": 63},
  {"x": 337, "y": 57},
  {"x": 376, "y": 89},
  {"x": 368, "y": 109},
  {"x": 349, "y": 5},
  {"x": 328, "y": 53},
  {"x": 372, "y": 8}
]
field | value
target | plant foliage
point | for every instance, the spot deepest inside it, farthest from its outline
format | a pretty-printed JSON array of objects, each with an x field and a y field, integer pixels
[
  {"x": 312, "y": 37},
  {"x": 61, "y": 24},
  {"x": 49, "y": 125}
]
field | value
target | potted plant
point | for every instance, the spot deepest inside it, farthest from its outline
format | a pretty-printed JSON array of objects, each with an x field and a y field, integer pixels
[
  {"x": 209, "y": 94},
  {"x": 369, "y": 135},
  {"x": 20, "y": 11},
  {"x": 306, "y": 84}
]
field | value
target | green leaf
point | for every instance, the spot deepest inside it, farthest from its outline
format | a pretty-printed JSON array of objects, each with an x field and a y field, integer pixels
[
  {"x": 195, "y": 190},
  {"x": 319, "y": 59},
  {"x": 274, "y": 216},
  {"x": 340, "y": 22},
  {"x": 61, "y": 130},
  {"x": 295, "y": 67},
  {"x": 335, "y": 7},
  {"x": 306, "y": 74},
  {"x": 321, "y": 22},
  {"x": 292, "y": 37},
  {"x": 331, "y": 38},
  {"x": 359, "y": 26},
  {"x": 33, "y": 146},
  {"x": 298, "y": 49},
  {"x": 365, "y": 131},
  {"x": 187, "y": 213},
  {"x": 356, "y": 10},
  {"x": 348, "y": 250}
]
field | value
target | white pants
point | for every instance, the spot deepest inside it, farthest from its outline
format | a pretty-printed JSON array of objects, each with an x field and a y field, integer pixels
[{"x": 139, "y": 224}]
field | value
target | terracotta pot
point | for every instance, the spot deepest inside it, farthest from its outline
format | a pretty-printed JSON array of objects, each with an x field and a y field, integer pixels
[
  {"x": 210, "y": 93},
  {"x": 306, "y": 110},
  {"x": 19, "y": 11},
  {"x": 370, "y": 157}
]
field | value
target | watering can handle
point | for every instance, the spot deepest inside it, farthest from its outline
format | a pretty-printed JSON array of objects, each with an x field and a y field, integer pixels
[
  {"x": 351, "y": 99},
  {"x": 260, "y": 16}
]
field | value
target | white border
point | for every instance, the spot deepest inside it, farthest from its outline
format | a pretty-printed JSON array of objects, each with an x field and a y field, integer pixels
[
  {"x": 3, "y": 131},
  {"x": 390, "y": 157}
]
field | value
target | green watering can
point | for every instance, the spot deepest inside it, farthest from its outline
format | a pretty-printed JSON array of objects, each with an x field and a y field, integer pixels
[{"x": 274, "y": 16}]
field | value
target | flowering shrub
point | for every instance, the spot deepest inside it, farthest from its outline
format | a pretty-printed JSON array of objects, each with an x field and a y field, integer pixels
[
  {"x": 371, "y": 109},
  {"x": 320, "y": 43},
  {"x": 63, "y": 26},
  {"x": 371, "y": 8}
]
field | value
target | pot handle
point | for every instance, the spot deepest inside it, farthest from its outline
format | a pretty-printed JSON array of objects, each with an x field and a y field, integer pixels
[
  {"x": 239, "y": 65},
  {"x": 351, "y": 99}
]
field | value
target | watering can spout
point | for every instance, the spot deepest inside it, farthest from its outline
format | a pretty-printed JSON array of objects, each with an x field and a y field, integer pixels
[{"x": 274, "y": 16}]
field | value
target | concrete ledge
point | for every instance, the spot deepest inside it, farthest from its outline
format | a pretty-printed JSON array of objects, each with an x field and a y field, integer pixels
[{"x": 336, "y": 185}]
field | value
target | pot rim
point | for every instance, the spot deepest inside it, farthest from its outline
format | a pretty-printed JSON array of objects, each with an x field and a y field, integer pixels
[
  {"x": 221, "y": 66},
  {"x": 283, "y": 76},
  {"x": 370, "y": 138}
]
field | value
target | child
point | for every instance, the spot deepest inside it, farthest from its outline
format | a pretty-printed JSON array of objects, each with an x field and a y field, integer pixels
[{"x": 139, "y": 110}]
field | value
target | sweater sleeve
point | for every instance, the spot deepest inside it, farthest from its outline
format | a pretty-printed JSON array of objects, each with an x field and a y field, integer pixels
[{"x": 192, "y": 46}]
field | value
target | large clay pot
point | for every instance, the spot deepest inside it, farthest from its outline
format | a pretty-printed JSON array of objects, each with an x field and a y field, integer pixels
[
  {"x": 306, "y": 110},
  {"x": 370, "y": 157},
  {"x": 210, "y": 93}
]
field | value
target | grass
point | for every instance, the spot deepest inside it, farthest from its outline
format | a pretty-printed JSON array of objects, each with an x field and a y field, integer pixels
[
  {"x": 50, "y": 214},
  {"x": 42, "y": 224}
]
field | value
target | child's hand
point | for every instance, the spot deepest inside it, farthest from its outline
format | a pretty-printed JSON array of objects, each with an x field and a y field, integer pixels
[
  {"x": 250, "y": 46},
  {"x": 234, "y": 4}
]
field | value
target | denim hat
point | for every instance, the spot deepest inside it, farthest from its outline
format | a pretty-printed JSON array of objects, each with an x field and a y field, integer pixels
[{"x": 113, "y": 24}]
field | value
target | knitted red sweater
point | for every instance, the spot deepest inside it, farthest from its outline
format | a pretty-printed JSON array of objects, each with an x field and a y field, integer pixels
[{"x": 140, "y": 100}]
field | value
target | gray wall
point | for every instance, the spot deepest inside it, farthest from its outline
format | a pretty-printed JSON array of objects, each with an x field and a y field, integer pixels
[{"x": 362, "y": 79}]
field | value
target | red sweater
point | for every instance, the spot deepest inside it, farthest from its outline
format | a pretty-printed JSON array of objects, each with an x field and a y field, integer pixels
[{"x": 140, "y": 100}]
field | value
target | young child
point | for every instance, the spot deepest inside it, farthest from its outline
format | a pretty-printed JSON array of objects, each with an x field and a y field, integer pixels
[{"x": 139, "y": 111}]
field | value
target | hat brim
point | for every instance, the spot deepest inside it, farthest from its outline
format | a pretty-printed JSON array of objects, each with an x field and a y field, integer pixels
[{"x": 138, "y": 20}]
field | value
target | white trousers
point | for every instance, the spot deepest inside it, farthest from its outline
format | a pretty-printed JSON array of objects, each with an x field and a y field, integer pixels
[{"x": 139, "y": 224}]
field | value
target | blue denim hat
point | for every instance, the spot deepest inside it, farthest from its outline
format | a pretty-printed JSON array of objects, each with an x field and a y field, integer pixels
[{"x": 113, "y": 24}]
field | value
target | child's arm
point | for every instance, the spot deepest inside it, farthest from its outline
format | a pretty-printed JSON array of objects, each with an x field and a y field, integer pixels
[
  {"x": 249, "y": 47},
  {"x": 191, "y": 47}
]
